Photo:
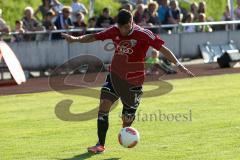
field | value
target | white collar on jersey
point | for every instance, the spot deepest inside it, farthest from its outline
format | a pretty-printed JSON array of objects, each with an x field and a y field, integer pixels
[{"x": 132, "y": 29}]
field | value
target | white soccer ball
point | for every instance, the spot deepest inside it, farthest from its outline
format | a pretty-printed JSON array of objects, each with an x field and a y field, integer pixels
[{"x": 128, "y": 137}]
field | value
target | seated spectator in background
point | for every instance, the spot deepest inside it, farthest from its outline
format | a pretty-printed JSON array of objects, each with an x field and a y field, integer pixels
[
  {"x": 63, "y": 20},
  {"x": 92, "y": 22},
  {"x": 173, "y": 14},
  {"x": 146, "y": 18},
  {"x": 104, "y": 20},
  {"x": 43, "y": 9},
  {"x": 225, "y": 17},
  {"x": 162, "y": 10},
  {"x": 57, "y": 7},
  {"x": 48, "y": 21},
  {"x": 203, "y": 28},
  {"x": 80, "y": 24},
  {"x": 76, "y": 8},
  {"x": 189, "y": 19},
  {"x": 202, "y": 7},
  {"x": 226, "y": 14},
  {"x": 139, "y": 14},
  {"x": 194, "y": 10},
  {"x": 237, "y": 12},
  {"x": 3, "y": 25},
  {"x": 19, "y": 29},
  {"x": 154, "y": 65},
  {"x": 152, "y": 62},
  {"x": 30, "y": 24},
  {"x": 152, "y": 11},
  {"x": 127, "y": 6},
  {"x": 183, "y": 14}
]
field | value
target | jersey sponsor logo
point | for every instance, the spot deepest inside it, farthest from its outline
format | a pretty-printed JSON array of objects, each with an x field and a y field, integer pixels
[{"x": 126, "y": 46}]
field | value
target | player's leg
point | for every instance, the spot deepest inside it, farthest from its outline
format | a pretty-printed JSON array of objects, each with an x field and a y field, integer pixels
[
  {"x": 107, "y": 98},
  {"x": 102, "y": 126},
  {"x": 102, "y": 121},
  {"x": 130, "y": 105}
]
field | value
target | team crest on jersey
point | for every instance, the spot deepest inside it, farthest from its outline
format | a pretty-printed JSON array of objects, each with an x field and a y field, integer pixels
[{"x": 133, "y": 42}]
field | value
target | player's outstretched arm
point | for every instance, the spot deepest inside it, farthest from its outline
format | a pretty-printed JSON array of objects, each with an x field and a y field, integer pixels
[
  {"x": 171, "y": 57},
  {"x": 82, "y": 39}
]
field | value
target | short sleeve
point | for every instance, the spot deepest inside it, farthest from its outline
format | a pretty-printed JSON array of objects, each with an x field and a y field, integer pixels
[
  {"x": 154, "y": 40},
  {"x": 108, "y": 33}
]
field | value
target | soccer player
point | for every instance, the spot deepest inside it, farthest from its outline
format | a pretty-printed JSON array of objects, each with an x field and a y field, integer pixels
[{"x": 126, "y": 71}]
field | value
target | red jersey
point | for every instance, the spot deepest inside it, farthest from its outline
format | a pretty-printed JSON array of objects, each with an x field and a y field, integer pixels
[{"x": 130, "y": 51}]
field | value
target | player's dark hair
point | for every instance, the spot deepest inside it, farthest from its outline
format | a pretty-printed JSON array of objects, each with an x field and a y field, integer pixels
[{"x": 124, "y": 17}]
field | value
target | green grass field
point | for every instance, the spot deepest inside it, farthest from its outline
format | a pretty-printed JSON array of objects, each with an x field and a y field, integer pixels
[{"x": 30, "y": 129}]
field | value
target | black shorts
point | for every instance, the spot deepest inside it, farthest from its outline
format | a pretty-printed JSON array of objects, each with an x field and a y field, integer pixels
[{"x": 115, "y": 88}]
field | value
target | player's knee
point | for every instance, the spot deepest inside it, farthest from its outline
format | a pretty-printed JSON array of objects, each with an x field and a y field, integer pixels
[{"x": 105, "y": 105}]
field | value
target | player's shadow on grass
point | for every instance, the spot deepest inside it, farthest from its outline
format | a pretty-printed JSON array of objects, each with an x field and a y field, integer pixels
[{"x": 86, "y": 155}]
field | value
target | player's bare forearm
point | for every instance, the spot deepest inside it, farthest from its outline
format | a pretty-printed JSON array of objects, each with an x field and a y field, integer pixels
[
  {"x": 171, "y": 57},
  {"x": 168, "y": 54},
  {"x": 82, "y": 39}
]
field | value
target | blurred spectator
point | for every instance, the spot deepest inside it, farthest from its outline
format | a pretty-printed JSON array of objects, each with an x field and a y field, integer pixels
[
  {"x": 189, "y": 19},
  {"x": 48, "y": 21},
  {"x": 146, "y": 18},
  {"x": 226, "y": 14},
  {"x": 76, "y": 8},
  {"x": 57, "y": 6},
  {"x": 63, "y": 20},
  {"x": 19, "y": 29},
  {"x": 154, "y": 65},
  {"x": 43, "y": 9},
  {"x": 152, "y": 11},
  {"x": 3, "y": 26},
  {"x": 173, "y": 14},
  {"x": 139, "y": 14},
  {"x": 237, "y": 12},
  {"x": 202, "y": 7},
  {"x": 183, "y": 14},
  {"x": 225, "y": 17},
  {"x": 80, "y": 24},
  {"x": 162, "y": 10},
  {"x": 80, "y": 21},
  {"x": 30, "y": 23},
  {"x": 104, "y": 20},
  {"x": 92, "y": 22},
  {"x": 127, "y": 6},
  {"x": 203, "y": 28},
  {"x": 152, "y": 62},
  {"x": 194, "y": 10}
]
